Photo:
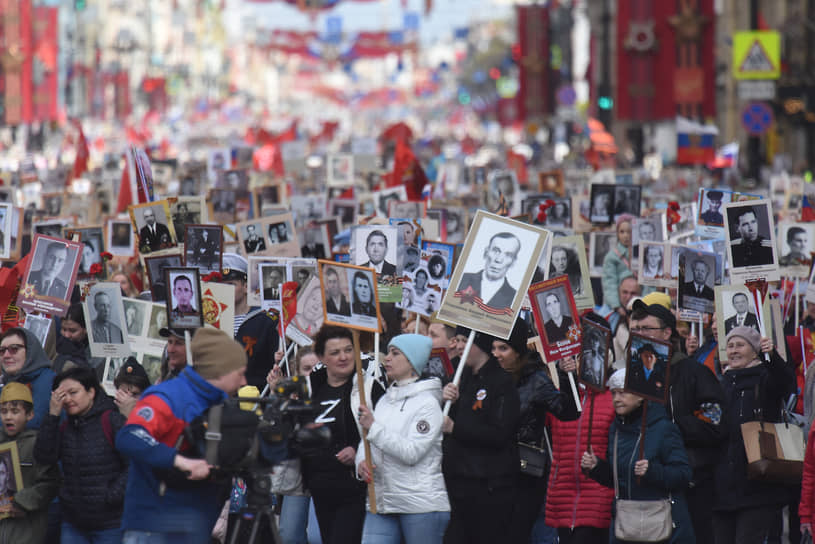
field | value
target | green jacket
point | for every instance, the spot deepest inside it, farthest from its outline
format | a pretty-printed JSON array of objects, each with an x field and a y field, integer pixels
[
  {"x": 616, "y": 267},
  {"x": 40, "y": 486}
]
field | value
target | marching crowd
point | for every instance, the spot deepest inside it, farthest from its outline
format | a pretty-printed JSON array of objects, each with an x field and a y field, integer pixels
[{"x": 522, "y": 454}]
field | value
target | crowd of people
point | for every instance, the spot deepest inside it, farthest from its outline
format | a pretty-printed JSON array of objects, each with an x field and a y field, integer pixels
[{"x": 447, "y": 434}]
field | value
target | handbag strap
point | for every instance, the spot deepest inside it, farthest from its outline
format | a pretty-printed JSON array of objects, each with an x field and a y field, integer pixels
[{"x": 614, "y": 467}]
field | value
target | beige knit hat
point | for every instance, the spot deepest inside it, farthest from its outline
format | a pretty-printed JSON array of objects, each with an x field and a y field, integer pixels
[{"x": 215, "y": 353}]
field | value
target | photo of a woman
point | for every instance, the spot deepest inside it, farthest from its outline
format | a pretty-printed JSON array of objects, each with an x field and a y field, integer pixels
[
  {"x": 652, "y": 262},
  {"x": 363, "y": 295}
]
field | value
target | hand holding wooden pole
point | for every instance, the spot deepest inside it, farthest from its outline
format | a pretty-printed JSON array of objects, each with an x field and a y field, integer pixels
[
  {"x": 460, "y": 368},
  {"x": 362, "y": 402}
]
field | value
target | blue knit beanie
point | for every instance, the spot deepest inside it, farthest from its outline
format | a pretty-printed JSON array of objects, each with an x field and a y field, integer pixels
[{"x": 415, "y": 347}]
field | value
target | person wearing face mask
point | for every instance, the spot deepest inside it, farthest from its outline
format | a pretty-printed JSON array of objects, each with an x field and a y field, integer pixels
[
  {"x": 617, "y": 262},
  {"x": 404, "y": 431},
  {"x": 94, "y": 474},
  {"x": 24, "y": 361},
  {"x": 745, "y": 510},
  {"x": 663, "y": 471},
  {"x": 539, "y": 398}
]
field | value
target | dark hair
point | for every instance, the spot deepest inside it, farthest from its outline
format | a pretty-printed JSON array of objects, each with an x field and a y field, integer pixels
[
  {"x": 89, "y": 244},
  {"x": 76, "y": 314},
  {"x": 126, "y": 378},
  {"x": 733, "y": 300},
  {"x": 16, "y": 331},
  {"x": 85, "y": 375},
  {"x": 744, "y": 211},
  {"x": 676, "y": 340},
  {"x": 505, "y": 236},
  {"x": 421, "y": 271},
  {"x": 793, "y": 232},
  {"x": 434, "y": 260},
  {"x": 302, "y": 352},
  {"x": 24, "y": 404},
  {"x": 376, "y": 233},
  {"x": 359, "y": 274},
  {"x": 181, "y": 277},
  {"x": 55, "y": 246},
  {"x": 330, "y": 332},
  {"x": 329, "y": 270}
]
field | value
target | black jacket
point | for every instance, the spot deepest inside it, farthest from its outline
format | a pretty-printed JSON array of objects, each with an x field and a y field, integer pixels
[
  {"x": 483, "y": 445},
  {"x": 695, "y": 400},
  {"x": 322, "y": 473},
  {"x": 538, "y": 396},
  {"x": 260, "y": 339},
  {"x": 94, "y": 473},
  {"x": 747, "y": 390}
]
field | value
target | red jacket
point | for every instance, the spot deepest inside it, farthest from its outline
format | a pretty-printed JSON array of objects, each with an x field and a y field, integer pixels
[
  {"x": 806, "y": 510},
  {"x": 573, "y": 499}
]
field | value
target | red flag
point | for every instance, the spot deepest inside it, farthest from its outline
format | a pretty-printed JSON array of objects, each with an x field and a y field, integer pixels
[
  {"x": 289, "y": 298},
  {"x": 517, "y": 162},
  {"x": 125, "y": 191},
  {"x": 407, "y": 171},
  {"x": 82, "y": 153},
  {"x": 268, "y": 158}
]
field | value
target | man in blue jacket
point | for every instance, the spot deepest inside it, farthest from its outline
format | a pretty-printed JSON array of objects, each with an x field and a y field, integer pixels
[{"x": 183, "y": 512}]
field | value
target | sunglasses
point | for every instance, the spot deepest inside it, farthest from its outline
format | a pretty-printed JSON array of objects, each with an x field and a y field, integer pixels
[{"x": 12, "y": 349}]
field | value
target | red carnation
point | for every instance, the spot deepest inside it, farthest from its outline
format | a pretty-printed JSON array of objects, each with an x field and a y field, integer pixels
[
  {"x": 106, "y": 255},
  {"x": 213, "y": 276},
  {"x": 96, "y": 269}
]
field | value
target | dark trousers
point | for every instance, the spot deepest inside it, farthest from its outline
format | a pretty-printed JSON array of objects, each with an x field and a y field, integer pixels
[
  {"x": 582, "y": 535},
  {"x": 530, "y": 495},
  {"x": 748, "y": 526},
  {"x": 700, "y": 506},
  {"x": 340, "y": 517},
  {"x": 479, "y": 514}
]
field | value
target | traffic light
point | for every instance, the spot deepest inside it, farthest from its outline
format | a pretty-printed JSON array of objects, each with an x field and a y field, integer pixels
[
  {"x": 605, "y": 102},
  {"x": 79, "y": 5}
]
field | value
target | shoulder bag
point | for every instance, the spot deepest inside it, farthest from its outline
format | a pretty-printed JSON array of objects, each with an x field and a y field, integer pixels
[{"x": 640, "y": 521}]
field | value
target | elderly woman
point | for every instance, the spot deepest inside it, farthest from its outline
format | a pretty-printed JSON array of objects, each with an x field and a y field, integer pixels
[
  {"x": 745, "y": 510},
  {"x": 664, "y": 470},
  {"x": 617, "y": 263},
  {"x": 405, "y": 435}
]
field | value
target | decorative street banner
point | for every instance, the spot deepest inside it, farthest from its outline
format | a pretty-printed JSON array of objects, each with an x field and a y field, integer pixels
[{"x": 533, "y": 37}]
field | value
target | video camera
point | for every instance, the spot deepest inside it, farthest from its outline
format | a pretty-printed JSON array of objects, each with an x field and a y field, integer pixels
[{"x": 247, "y": 436}]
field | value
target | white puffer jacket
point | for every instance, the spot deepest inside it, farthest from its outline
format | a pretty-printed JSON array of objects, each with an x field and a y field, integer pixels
[{"x": 406, "y": 450}]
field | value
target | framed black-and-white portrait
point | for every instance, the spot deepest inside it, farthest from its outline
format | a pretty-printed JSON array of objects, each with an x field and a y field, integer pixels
[
  {"x": 492, "y": 274},
  {"x": 204, "y": 247},
  {"x": 308, "y": 208},
  {"x": 735, "y": 307},
  {"x": 187, "y": 210},
  {"x": 10, "y": 462},
  {"x": 751, "y": 247},
  {"x": 795, "y": 245},
  {"x": 120, "y": 238},
  {"x": 316, "y": 241},
  {"x": 710, "y": 207},
  {"x": 51, "y": 275},
  {"x": 595, "y": 345},
  {"x": 378, "y": 247},
  {"x": 154, "y": 225},
  {"x": 600, "y": 244},
  {"x": 272, "y": 277},
  {"x": 218, "y": 162},
  {"x": 383, "y": 198},
  {"x": 50, "y": 227},
  {"x": 556, "y": 317},
  {"x": 268, "y": 198},
  {"x": 223, "y": 203},
  {"x": 184, "y": 300},
  {"x": 93, "y": 245},
  {"x": 652, "y": 264},
  {"x": 344, "y": 208},
  {"x": 601, "y": 201},
  {"x": 408, "y": 209},
  {"x": 354, "y": 304},
  {"x": 137, "y": 313},
  {"x": 38, "y": 325},
  {"x": 503, "y": 184},
  {"x": 235, "y": 180},
  {"x": 568, "y": 258},
  {"x": 647, "y": 368},
  {"x": 105, "y": 320},
  {"x": 627, "y": 200},
  {"x": 697, "y": 275},
  {"x": 651, "y": 228},
  {"x": 156, "y": 266}
]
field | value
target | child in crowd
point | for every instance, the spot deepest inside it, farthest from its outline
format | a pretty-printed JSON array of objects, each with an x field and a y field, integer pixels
[
  {"x": 23, "y": 505},
  {"x": 130, "y": 383}
]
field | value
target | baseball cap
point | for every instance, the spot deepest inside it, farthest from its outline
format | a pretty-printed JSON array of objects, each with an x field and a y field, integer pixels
[{"x": 657, "y": 310}]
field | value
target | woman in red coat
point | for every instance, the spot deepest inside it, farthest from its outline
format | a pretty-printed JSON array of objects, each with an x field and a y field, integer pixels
[{"x": 577, "y": 506}]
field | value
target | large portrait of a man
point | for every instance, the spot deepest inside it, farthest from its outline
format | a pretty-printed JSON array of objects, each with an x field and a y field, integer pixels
[
  {"x": 556, "y": 317},
  {"x": 154, "y": 224},
  {"x": 795, "y": 245},
  {"x": 379, "y": 247},
  {"x": 51, "y": 276},
  {"x": 184, "y": 302},
  {"x": 493, "y": 272},
  {"x": 104, "y": 312},
  {"x": 696, "y": 281},
  {"x": 751, "y": 241}
]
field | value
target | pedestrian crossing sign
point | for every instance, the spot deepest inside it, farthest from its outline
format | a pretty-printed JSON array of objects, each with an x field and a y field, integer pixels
[{"x": 757, "y": 55}]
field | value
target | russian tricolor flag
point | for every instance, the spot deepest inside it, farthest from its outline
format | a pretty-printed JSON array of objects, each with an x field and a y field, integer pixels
[{"x": 694, "y": 142}]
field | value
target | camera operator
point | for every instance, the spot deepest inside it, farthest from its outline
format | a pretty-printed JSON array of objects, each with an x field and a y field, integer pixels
[
  {"x": 339, "y": 498},
  {"x": 187, "y": 511}
]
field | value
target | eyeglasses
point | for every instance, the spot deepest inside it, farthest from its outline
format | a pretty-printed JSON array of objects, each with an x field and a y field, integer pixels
[
  {"x": 13, "y": 349},
  {"x": 644, "y": 329}
]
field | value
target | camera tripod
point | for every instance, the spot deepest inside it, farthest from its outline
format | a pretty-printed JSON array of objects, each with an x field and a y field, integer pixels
[{"x": 260, "y": 511}]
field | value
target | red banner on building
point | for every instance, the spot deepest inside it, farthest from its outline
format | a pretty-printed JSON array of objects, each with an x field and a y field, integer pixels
[
  {"x": 15, "y": 27},
  {"x": 45, "y": 74},
  {"x": 663, "y": 63},
  {"x": 533, "y": 38}
]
